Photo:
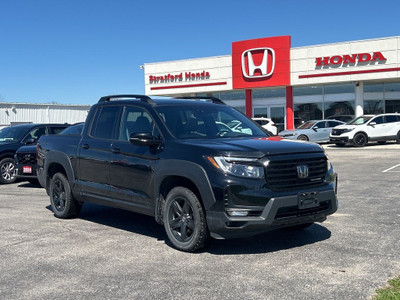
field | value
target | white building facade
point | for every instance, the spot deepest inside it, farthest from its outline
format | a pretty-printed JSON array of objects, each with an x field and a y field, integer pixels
[
  {"x": 267, "y": 78},
  {"x": 18, "y": 113}
]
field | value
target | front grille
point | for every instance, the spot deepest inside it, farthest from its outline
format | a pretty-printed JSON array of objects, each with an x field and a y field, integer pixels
[
  {"x": 338, "y": 131},
  {"x": 26, "y": 158},
  {"x": 282, "y": 173}
]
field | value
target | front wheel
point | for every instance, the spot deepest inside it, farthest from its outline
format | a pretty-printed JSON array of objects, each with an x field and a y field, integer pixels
[
  {"x": 303, "y": 138},
  {"x": 8, "y": 171},
  {"x": 360, "y": 140},
  {"x": 398, "y": 138},
  {"x": 185, "y": 220},
  {"x": 62, "y": 201}
]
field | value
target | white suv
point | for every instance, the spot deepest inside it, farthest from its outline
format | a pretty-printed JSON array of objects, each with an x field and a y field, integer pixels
[
  {"x": 367, "y": 128},
  {"x": 267, "y": 124}
]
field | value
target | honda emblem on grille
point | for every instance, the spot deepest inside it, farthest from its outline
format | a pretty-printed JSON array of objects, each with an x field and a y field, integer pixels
[
  {"x": 251, "y": 72},
  {"x": 302, "y": 171}
]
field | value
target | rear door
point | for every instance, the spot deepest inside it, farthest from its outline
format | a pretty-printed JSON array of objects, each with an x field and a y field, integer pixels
[{"x": 95, "y": 153}]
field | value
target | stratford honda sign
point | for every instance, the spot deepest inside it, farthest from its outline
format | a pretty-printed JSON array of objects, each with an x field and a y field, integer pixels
[{"x": 261, "y": 62}]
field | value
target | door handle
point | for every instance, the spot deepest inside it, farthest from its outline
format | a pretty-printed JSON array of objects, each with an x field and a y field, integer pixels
[
  {"x": 85, "y": 146},
  {"x": 115, "y": 150}
]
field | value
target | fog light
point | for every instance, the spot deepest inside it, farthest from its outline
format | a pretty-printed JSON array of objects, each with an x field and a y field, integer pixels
[{"x": 238, "y": 213}]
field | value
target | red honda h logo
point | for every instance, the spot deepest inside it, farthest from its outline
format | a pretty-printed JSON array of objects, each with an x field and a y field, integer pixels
[{"x": 249, "y": 69}]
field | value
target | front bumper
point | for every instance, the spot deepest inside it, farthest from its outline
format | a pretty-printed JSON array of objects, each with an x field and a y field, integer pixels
[
  {"x": 278, "y": 213},
  {"x": 27, "y": 172},
  {"x": 339, "y": 139}
]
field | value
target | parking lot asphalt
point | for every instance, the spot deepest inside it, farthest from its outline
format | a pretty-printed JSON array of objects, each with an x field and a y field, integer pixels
[{"x": 107, "y": 253}]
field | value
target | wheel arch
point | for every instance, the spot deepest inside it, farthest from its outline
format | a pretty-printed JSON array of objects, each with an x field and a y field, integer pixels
[
  {"x": 185, "y": 174},
  {"x": 57, "y": 162}
]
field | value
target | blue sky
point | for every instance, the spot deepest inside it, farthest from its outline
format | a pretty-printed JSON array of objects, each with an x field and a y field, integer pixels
[{"x": 75, "y": 51}]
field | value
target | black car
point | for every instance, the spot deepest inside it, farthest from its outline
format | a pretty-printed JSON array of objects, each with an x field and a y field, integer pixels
[
  {"x": 13, "y": 137},
  {"x": 25, "y": 157},
  {"x": 178, "y": 161}
]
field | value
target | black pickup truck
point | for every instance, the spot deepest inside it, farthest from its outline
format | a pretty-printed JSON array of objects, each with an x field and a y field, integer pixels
[{"x": 181, "y": 161}]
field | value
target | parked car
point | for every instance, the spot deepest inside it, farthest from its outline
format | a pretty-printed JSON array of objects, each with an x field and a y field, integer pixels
[
  {"x": 25, "y": 156},
  {"x": 314, "y": 131},
  {"x": 13, "y": 137},
  {"x": 343, "y": 118},
  {"x": 363, "y": 129},
  {"x": 267, "y": 124},
  {"x": 172, "y": 159}
]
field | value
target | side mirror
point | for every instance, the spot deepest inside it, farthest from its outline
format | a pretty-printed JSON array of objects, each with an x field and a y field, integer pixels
[
  {"x": 30, "y": 141},
  {"x": 315, "y": 128},
  {"x": 144, "y": 139},
  {"x": 372, "y": 124}
]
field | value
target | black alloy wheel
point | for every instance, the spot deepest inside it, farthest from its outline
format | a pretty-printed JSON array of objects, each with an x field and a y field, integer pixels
[
  {"x": 360, "y": 140},
  {"x": 62, "y": 201},
  {"x": 184, "y": 220},
  {"x": 8, "y": 170}
]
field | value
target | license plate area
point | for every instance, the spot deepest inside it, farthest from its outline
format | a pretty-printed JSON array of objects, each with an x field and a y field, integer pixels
[
  {"x": 27, "y": 169},
  {"x": 308, "y": 200}
]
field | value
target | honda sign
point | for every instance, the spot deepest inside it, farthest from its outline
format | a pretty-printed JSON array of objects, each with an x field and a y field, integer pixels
[{"x": 261, "y": 62}]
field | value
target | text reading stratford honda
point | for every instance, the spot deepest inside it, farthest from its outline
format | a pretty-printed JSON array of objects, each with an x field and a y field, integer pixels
[{"x": 200, "y": 168}]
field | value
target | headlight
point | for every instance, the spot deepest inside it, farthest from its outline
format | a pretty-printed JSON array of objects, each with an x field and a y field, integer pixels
[
  {"x": 238, "y": 166},
  {"x": 288, "y": 134},
  {"x": 348, "y": 130}
]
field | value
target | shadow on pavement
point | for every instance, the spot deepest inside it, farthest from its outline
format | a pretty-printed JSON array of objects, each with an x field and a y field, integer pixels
[{"x": 272, "y": 241}]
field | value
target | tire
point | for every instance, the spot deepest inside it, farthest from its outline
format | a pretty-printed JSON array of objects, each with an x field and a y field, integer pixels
[
  {"x": 398, "y": 138},
  {"x": 185, "y": 220},
  {"x": 360, "y": 140},
  {"x": 62, "y": 202},
  {"x": 8, "y": 172},
  {"x": 303, "y": 138}
]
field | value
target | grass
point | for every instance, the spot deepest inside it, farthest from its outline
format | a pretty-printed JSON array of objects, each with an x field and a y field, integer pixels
[{"x": 392, "y": 292}]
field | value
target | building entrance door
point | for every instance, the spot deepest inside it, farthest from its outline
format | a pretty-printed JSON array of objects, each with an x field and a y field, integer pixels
[{"x": 275, "y": 112}]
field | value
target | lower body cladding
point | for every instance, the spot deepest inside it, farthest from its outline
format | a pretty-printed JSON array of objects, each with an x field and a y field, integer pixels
[{"x": 285, "y": 211}]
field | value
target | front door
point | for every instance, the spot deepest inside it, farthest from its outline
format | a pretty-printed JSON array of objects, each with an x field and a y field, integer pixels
[{"x": 132, "y": 166}]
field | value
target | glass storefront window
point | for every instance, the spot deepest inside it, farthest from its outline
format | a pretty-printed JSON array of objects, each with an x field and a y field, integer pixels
[
  {"x": 236, "y": 95},
  {"x": 373, "y": 107},
  {"x": 373, "y": 88},
  {"x": 392, "y": 87},
  {"x": 260, "y": 112},
  {"x": 307, "y": 90},
  {"x": 392, "y": 106},
  {"x": 307, "y": 111},
  {"x": 339, "y": 88},
  {"x": 339, "y": 108},
  {"x": 271, "y": 93}
]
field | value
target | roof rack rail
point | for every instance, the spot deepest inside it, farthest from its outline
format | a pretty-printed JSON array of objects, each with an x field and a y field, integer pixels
[
  {"x": 142, "y": 98},
  {"x": 212, "y": 99}
]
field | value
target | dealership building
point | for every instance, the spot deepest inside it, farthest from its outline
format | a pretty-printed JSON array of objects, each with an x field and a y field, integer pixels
[{"x": 266, "y": 77}]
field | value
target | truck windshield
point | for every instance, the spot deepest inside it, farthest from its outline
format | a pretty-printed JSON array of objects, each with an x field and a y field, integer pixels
[
  {"x": 207, "y": 122},
  {"x": 11, "y": 134}
]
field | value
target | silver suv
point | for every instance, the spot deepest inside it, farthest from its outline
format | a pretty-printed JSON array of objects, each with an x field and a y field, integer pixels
[{"x": 363, "y": 129}]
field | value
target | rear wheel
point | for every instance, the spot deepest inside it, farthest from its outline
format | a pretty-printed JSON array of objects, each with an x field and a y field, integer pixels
[
  {"x": 8, "y": 171},
  {"x": 62, "y": 202},
  {"x": 360, "y": 140},
  {"x": 185, "y": 220},
  {"x": 303, "y": 138}
]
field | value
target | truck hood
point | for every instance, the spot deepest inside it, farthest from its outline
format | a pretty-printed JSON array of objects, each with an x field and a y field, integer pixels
[{"x": 255, "y": 147}]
